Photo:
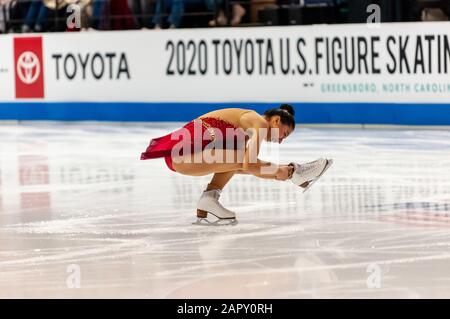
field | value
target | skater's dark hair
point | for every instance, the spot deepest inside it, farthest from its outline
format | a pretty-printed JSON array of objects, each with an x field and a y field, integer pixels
[{"x": 286, "y": 113}]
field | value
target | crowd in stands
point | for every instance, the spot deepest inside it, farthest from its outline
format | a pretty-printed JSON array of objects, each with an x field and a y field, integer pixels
[{"x": 52, "y": 15}]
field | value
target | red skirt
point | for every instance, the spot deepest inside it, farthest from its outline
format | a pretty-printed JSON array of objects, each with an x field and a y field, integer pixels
[{"x": 162, "y": 146}]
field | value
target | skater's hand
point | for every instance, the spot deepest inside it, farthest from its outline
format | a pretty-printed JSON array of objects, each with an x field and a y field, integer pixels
[{"x": 284, "y": 173}]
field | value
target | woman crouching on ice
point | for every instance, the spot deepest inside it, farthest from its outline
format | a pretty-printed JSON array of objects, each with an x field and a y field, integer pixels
[{"x": 227, "y": 142}]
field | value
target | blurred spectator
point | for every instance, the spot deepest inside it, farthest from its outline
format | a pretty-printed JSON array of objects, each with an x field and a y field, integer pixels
[
  {"x": 121, "y": 16},
  {"x": 18, "y": 11},
  {"x": 5, "y": 7},
  {"x": 433, "y": 14},
  {"x": 434, "y": 10},
  {"x": 98, "y": 14},
  {"x": 238, "y": 12},
  {"x": 141, "y": 10},
  {"x": 175, "y": 8},
  {"x": 36, "y": 17},
  {"x": 115, "y": 15},
  {"x": 41, "y": 13}
]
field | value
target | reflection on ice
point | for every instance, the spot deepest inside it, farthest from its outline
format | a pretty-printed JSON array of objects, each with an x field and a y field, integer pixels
[{"x": 78, "y": 194}]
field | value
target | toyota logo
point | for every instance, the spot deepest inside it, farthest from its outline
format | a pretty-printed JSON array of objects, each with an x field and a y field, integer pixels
[{"x": 28, "y": 67}]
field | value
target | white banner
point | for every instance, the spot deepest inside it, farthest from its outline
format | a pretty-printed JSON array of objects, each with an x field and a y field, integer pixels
[
  {"x": 6, "y": 69},
  {"x": 404, "y": 63}
]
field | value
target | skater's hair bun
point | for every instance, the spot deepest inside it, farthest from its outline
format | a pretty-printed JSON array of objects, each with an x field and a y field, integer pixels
[
  {"x": 289, "y": 108},
  {"x": 286, "y": 113}
]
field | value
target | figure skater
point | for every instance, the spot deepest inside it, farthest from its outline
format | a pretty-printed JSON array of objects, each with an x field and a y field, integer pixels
[{"x": 226, "y": 142}]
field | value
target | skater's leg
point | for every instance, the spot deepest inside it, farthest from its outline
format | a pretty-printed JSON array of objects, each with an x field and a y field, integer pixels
[
  {"x": 219, "y": 180},
  {"x": 197, "y": 165},
  {"x": 230, "y": 161},
  {"x": 194, "y": 169},
  {"x": 226, "y": 165}
]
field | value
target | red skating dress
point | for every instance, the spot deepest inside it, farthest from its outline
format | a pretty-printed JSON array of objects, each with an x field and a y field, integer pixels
[{"x": 162, "y": 146}]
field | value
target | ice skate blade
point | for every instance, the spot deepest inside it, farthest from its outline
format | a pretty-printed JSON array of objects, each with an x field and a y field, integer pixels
[
  {"x": 329, "y": 163},
  {"x": 218, "y": 222}
]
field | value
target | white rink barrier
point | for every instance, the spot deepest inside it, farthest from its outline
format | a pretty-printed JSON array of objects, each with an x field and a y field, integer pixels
[{"x": 349, "y": 74}]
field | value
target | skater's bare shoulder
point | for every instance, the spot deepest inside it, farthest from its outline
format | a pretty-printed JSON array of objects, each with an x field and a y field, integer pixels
[
  {"x": 243, "y": 118},
  {"x": 252, "y": 119}
]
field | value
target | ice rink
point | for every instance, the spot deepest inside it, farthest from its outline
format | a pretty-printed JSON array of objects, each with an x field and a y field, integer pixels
[{"x": 77, "y": 206}]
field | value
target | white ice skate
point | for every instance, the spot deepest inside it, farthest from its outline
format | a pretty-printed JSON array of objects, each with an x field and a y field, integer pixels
[
  {"x": 209, "y": 203},
  {"x": 305, "y": 175}
]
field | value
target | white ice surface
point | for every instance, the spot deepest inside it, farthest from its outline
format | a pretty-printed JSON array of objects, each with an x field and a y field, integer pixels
[{"x": 78, "y": 194}]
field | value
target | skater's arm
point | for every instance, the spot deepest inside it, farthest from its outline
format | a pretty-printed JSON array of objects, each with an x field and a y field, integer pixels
[
  {"x": 258, "y": 129},
  {"x": 268, "y": 170}
]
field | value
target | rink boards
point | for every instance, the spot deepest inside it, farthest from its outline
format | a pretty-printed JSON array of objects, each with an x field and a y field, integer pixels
[{"x": 340, "y": 74}]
